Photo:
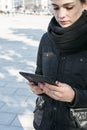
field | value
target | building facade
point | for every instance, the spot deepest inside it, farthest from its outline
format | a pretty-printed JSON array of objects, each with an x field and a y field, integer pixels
[{"x": 26, "y": 4}]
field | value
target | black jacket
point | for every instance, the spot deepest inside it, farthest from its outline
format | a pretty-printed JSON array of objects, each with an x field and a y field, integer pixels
[{"x": 67, "y": 64}]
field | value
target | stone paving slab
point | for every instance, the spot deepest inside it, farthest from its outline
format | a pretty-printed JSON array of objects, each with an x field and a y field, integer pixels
[
  {"x": 24, "y": 120},
  {"x": 6, "y": 118},
  {"x": 3, "y": 127},
  {"x": 19, "y": 40}
]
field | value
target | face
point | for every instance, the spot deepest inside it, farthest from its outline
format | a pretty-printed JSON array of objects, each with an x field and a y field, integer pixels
[{"x": 67, "y": 12}]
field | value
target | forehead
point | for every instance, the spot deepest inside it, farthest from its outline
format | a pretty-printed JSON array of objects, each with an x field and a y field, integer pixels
[{"x": 61, "y": 2}]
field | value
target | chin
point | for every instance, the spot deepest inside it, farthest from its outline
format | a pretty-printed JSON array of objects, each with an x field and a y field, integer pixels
[{"x": 66, "y": 25}]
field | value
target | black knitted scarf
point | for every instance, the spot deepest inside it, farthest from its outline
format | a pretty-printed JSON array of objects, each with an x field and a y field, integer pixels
[{"x": 72, "y": 38}]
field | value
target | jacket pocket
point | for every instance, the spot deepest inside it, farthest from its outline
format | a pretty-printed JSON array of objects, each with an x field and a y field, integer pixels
[
  {"x": 39, "y": 109},
  {"x": 80, "y": 65},
  {"x": 79, "y": 72}
]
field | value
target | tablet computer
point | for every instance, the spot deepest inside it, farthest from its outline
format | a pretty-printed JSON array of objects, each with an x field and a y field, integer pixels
[{"x": 37, "y": 78}]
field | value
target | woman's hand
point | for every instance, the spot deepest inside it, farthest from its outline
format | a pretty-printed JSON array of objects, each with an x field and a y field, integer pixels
[
  {"x": 61, "y": 92},
  {"x": 35, "y": 88}
]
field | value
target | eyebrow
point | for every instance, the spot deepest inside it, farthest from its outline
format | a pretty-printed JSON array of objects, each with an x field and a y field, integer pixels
[{"x": 64, "y": 4}]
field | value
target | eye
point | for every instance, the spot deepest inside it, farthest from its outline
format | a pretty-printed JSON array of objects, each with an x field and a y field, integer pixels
[
  {"x": 56, "y": 8},
  {"x": 69, "y": 8}
]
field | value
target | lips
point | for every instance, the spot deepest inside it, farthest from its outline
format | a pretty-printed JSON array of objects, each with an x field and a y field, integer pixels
[{"x": 63, "y": 22}]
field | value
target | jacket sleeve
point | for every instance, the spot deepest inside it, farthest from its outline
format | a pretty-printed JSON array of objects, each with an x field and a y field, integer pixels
[
  {"x": 39, "y": 57},
  {"x": 80, "y": 100}
]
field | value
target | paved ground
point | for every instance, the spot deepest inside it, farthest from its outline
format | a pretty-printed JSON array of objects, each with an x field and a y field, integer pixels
[{"x": 19, "y": 40}]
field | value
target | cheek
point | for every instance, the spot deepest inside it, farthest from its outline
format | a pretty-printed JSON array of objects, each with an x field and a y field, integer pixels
[
  {"x": 75, "y": 15},
  {"x": 73, "y": 18},
  {"x": 56, "y": 16}
]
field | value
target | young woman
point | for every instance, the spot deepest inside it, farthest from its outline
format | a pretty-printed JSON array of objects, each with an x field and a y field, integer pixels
[{"x": 62, "y": 56}]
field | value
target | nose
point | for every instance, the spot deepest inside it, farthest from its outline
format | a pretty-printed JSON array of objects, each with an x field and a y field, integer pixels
[{"x": 62, "y": 13}]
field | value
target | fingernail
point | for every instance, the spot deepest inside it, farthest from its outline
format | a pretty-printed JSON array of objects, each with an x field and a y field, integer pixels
[
  {"x": 57, "y": 82},
  {"x": 40, "y": 85}
]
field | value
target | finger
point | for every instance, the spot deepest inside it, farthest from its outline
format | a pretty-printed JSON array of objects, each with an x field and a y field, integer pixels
[
  {"x": 57, "y": 83},
  {"x": 36, "y": 90},
  {"x": 32, "y": 84},
  {"x": 54, "y": 88},
  {"x": 51, "y": 87},
  {"x": 55, "y": 95},
  {"x": 51, "y": 94}
]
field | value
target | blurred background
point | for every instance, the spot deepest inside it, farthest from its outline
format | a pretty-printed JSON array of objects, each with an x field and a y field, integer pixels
[
  {"x": 22, "y": 23},
  {"x": 37, "y": 7}
]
